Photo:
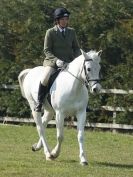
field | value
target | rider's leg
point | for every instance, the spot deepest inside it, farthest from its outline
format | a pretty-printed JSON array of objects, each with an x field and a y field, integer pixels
[
  {"x": 42, "y": 91},
  {"x": 41, "y": 94}
]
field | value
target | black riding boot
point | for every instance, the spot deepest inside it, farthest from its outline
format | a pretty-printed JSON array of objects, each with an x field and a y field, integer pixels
[{"x": 42, "y": 91}]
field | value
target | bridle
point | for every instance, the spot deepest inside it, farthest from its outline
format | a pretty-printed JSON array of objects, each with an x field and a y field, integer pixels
[{"x": 87, "y": 80}]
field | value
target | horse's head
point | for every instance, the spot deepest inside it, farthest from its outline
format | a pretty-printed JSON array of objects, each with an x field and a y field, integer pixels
[{"x": 92, "y": 70}]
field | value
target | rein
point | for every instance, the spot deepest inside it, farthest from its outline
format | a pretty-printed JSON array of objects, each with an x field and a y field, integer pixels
[{"x": 83, "y": 83}]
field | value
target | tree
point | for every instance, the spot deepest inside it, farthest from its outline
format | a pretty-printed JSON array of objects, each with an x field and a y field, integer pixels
[{"x": 100, "y": 24}]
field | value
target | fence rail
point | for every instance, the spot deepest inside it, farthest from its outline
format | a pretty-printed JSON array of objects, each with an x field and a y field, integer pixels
[
  {"x": 5, "y": 120},
  {"x": 113, "y": 109},
  {"x": 116, "y": 91}
]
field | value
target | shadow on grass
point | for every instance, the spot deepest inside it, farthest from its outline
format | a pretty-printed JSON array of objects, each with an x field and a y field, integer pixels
[
  {"x": 115, "y": 165},
  {"x": 69, "y": 161}
]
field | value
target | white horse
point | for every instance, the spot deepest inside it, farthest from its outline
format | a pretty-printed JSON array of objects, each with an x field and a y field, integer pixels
[{"x": 69, "y": 97}]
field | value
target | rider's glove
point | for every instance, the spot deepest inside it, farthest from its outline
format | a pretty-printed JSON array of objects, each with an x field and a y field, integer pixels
[{"x": 60, "y": 63}]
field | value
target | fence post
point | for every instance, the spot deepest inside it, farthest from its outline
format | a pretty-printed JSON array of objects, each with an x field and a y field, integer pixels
[
  {"x": 114, "y": 112},
  {"x": 114, "y": 121}
]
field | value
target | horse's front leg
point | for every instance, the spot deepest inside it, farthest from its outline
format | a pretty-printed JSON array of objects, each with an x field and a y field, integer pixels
[
  {"x": 41, "y": 132},
  {"x": 60, "y": 134},
  {"x": 81, "y": 117}
]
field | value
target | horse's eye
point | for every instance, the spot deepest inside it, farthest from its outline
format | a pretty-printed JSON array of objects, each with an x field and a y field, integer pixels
[{"x": 88, "y": 69}]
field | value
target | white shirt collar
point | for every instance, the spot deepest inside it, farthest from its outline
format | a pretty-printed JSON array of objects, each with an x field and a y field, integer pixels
[{"x": 61, "y": 29}]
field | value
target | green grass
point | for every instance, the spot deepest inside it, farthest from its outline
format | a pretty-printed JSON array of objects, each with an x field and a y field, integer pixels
[{"x": 109, "y": 155}]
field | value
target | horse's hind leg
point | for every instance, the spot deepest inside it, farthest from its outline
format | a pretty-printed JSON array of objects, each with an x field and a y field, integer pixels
[
  {"x": 41, "y": 132},
  {"x": 40, "y": 128},
  {"x": 47, "y": 116},
  {"x": 60, "y": 134}
]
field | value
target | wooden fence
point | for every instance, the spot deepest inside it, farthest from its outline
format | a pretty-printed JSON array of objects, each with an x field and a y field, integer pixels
[{"x": 115, "y": 109}]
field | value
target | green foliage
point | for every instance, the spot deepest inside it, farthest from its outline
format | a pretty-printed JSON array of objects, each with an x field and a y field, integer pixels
[
  {"x": 100, "y": 24},
  {"x": 12, "y": 104}
]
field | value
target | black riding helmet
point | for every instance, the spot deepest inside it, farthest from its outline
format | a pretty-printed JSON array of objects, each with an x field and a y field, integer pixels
[{"x": 61, "y": 12}]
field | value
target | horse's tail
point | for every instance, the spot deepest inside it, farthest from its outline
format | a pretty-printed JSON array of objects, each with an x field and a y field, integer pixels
[{"x": 21, "y": 78}]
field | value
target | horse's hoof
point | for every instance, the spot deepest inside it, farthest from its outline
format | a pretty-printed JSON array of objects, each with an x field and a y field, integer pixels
[
  {"x": 84, "y": 163},
  {"x": 50, "y": 158},
  {"x": 34, "y": 147},
  {"x": 54, "y": 156}
]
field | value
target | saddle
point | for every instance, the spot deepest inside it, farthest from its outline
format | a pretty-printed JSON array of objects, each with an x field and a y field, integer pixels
[{"x": 52, "y": 79}]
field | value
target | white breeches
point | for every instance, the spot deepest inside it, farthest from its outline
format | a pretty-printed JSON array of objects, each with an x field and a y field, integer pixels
[{"x": 46, "y": 75}]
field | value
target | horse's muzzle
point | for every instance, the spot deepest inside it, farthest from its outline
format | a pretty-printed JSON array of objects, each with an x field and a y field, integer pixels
[{"x": 96, "y": 88}]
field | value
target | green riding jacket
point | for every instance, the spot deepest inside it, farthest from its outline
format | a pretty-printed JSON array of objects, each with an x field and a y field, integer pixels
[{"x": 58, "y": 47}]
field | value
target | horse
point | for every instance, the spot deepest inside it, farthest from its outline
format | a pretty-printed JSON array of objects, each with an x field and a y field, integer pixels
[{"x": 69, "y": 97}]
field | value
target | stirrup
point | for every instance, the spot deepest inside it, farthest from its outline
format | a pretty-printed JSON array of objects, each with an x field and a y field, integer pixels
[{"x": 88, "y": 109}]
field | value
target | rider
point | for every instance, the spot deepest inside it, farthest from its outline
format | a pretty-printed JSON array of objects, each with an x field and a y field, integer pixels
[{"x": 60, "y": 47}]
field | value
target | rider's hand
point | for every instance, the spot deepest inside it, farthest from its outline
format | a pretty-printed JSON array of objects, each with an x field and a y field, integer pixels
[{"x": 60, "y": 63}]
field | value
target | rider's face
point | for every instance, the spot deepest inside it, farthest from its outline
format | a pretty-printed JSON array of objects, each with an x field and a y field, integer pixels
[{"x": 63, "y": 22}]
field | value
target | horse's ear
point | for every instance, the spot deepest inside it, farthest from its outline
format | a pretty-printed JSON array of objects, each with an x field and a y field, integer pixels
[
  {"x": 84, "y": 54},
  {"x": 81, "y": 51},
  {"x": 99, "y": 53}
]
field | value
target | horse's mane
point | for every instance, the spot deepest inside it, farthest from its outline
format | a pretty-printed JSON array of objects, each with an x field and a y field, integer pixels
[{"x": 76, "y": 61}]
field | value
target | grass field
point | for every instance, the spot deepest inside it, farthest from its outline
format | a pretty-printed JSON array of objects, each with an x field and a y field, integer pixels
[{"x": 109, "y": 155}]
